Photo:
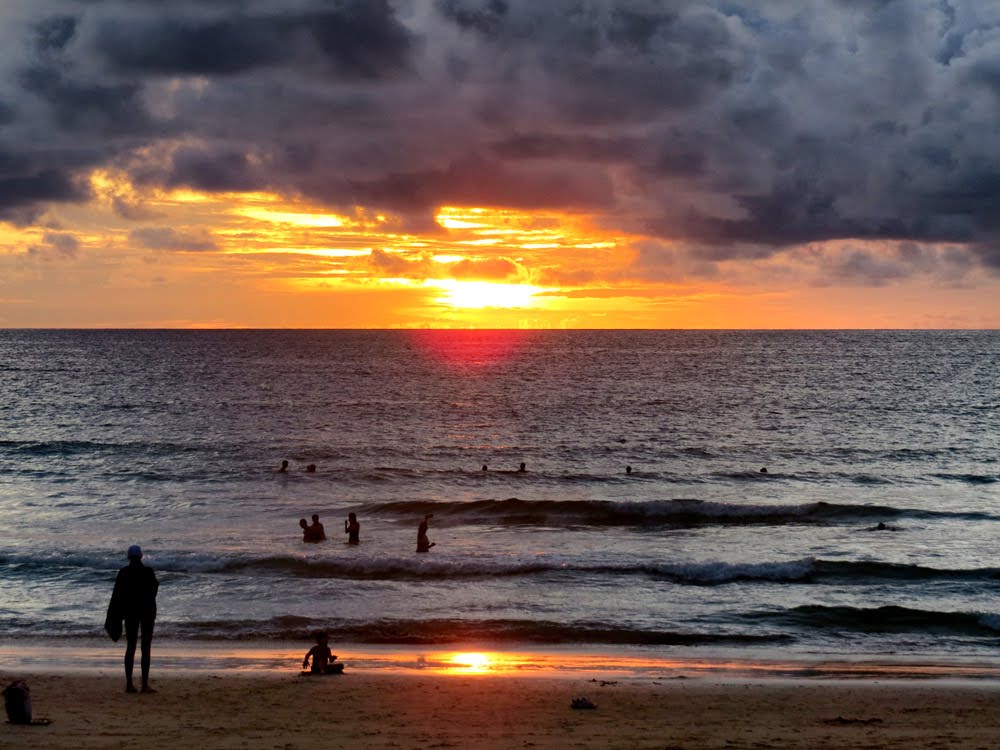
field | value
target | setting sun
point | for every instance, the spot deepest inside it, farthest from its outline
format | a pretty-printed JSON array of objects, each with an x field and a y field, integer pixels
[{"x": 480, "y": 294}]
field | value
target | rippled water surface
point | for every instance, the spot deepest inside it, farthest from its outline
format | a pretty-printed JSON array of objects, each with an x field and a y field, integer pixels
[{"x": 171, "y": 440}]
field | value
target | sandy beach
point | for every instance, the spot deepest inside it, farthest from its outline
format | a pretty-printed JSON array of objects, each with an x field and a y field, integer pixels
[{"x": 286, "y": 711}]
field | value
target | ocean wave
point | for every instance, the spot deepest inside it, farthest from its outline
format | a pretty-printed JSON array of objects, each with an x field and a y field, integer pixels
[
  {"x": 693, "y": 573},
  {"x": 888, "y": 619},
  {"x": 809, "y": 476},
  {"x": 866, "y": 571},
  {"x": 429, "y": 632},
  {"x": 968, "y": 478},
  {"x": 448, "y": 631},
  {"x": 761, "y": 628},
  {"x": 413, "y": 567},
  {"x": 667, "y": 513},
  {"x": 707, "y": 573},
  {"x": 69, "y": 447}
]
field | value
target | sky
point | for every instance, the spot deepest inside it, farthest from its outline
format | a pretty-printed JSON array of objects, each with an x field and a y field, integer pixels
[{"x": 500, "y": 163}]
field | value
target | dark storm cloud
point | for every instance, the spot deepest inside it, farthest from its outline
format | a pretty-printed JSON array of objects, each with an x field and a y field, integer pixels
[
  {"x": 188, "y": 46},
  {"x": 79, "y": 105},
  {"x": 7, "y": 114},
  {"x": 54, "y": 33},
  {"x": 364, "y": 38},
  {"x": 90, "y": 89},
  {"x": 485, "y": 18},
  {"x": 214, "y": 172},
  {"x": 361, "y": 38},
  {"x": 28, "y": 191},
  {"x": 558, "y": 146},
  {"x": 486, "y": 182},
  {"x": 731, "y": 129},
  {"x": 613, "y": 62},
  {"x": 11, "y": 162}
]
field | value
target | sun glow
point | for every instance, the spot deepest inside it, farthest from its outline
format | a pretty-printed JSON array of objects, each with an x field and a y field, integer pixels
[
  {"x": 472, "y": 662},
  {"x": 476, "y": 295}
]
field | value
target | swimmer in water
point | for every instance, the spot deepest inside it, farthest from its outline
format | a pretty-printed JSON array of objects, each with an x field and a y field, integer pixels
[
  {"x": 522, "y": 467},
  {"x": 628, "y": 469},
  {"x": 353, "y": 529},
  {"x": 307, "y": 535},
  {"x": 284, "y": 468},
  {"x": 423, "y": 543},
  {"x": 763, "y": 470},
  {"x": 316, "y": 528},
  {"x": 311, "y": 468}
]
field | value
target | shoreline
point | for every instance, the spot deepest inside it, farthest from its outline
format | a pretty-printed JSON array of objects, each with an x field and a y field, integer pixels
[
  {"x": 252, "y": 696},
  {"x": 434, "y": 710},
  {"x": 97, "y": 657}
]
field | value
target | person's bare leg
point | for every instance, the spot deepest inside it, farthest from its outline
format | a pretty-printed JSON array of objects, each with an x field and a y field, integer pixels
[
  {"x": 147, "y": 647},
  {"x": 131, "y": 636}
]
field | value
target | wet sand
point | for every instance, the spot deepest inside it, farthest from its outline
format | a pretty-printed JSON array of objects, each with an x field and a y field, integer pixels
[{"x": 371, "y": 710}]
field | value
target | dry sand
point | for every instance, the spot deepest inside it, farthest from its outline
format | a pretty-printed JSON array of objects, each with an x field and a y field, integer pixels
[{"x": 367, "y": 710}]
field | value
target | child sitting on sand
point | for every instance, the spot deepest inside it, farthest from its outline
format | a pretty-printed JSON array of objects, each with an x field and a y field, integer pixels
[{"x": 322, "y": 659}]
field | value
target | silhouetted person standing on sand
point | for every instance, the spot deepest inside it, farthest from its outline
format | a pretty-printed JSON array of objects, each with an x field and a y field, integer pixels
[
  {"x": 353, "y": 529},
  {"x": 134, "y": 601},
  {"x": 423, "y": 543}
]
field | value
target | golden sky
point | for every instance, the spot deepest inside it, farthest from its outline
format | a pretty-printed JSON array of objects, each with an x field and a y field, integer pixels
[
  {"x": 474, "y": 163},
  {"x": 263, "y": 260}
]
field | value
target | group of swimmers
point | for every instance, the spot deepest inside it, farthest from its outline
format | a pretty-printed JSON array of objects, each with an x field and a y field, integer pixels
[
  {"x": 310, "y": 469},
  {"x": 523, "y": 468},
  {"x": 314, "y": 532}
]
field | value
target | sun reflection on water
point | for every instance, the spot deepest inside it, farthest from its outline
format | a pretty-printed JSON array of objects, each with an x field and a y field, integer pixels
[{"x": 472, "y": 349}]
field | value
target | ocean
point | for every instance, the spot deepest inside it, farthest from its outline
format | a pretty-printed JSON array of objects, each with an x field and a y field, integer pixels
[{"x": 172, "y": 440}]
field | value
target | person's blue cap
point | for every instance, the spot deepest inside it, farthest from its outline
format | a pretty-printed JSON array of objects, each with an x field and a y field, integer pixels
[{"x": 134, "y": 551}]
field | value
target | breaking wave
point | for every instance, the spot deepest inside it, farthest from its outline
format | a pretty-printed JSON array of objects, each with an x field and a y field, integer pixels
[
  {"x": 657, "y": 513},
  {"x": 889, "y": 619},
  {"x": 695, "y": 573}
]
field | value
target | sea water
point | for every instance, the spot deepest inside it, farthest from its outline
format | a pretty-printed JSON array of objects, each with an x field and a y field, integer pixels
[{"x": 172, "y": 440}]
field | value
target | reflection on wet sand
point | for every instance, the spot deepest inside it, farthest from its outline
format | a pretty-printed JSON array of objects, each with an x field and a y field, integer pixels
[{"x": 192, "y": 656}]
